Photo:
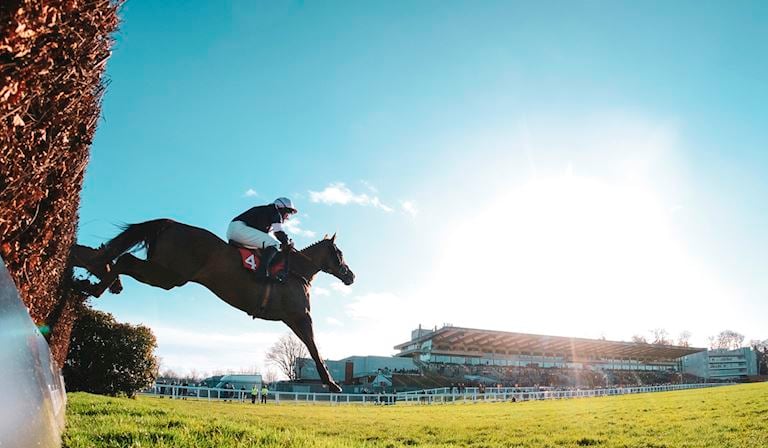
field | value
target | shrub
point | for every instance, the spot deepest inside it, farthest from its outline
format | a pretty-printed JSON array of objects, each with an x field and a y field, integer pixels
[{"x": 108, "y": 357}]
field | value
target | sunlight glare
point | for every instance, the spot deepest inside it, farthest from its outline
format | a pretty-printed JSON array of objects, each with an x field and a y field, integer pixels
[{"x": 576, "y": 253}]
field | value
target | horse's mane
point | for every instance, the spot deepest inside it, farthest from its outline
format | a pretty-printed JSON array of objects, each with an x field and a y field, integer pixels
[{"x": 313, "y": 244}]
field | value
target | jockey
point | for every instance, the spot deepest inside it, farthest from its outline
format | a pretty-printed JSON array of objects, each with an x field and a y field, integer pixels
[{"x": 252, "y": 229}]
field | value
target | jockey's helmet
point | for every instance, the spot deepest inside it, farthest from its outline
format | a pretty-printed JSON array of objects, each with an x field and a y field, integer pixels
[{"x": 285, "y": 204}]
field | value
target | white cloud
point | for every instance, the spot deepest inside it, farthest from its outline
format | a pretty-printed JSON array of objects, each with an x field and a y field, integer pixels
[
  {"x": 181, "y": 337},
  {"x": 333, "y": 321},
  {"x": 249, "y": 193},
  {"x": 341, "y": 288},
  {"x": 376, "y": 306},
  {"x": 318, "y": 291},
  {"x": 409, "y": 207},
  {"x": 292, "y": 226},
  {"x": 369, "y": 186},
  {"x": 338, "y": 193},
  {"x": 183, "y": 350}
]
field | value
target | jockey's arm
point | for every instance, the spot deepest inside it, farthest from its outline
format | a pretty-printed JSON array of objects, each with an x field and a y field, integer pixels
[
  {"x": 277, "y": 229},
  {"x": 282, "y": 237}
]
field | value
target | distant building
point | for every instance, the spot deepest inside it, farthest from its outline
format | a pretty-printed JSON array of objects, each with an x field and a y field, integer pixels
[
  {"x": 474, "y": 347},
  {"x": 348, "y": 369},
  {"x": 239, "y": 381},
  {"x": 721, "y": 364}
]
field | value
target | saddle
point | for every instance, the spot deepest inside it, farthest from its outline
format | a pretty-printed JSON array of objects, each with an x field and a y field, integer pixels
[{"x": 252, "y": 260}]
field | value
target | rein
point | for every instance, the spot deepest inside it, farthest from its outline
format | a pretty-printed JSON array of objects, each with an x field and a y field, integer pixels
[{"x": 306, "y": 257}]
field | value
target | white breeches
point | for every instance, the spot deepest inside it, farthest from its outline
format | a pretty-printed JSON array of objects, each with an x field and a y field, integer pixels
[{"x": 250, "y": 237}]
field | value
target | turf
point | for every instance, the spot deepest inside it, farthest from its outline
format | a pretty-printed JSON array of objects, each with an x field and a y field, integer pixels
[{"x": 730, "y": 416}]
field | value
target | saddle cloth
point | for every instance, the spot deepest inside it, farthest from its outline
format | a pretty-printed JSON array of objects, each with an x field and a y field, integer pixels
[{"x": 252, "y": 260}]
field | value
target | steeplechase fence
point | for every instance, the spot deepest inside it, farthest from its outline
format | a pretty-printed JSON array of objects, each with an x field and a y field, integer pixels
[{"x": 431, "y": 396}]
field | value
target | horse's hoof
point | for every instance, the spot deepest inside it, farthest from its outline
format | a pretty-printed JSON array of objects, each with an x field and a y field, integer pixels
[
  {"x": 333, "y": 387},
  {"x": 95, "y": 290},
  {"x": 116, "y": 287}
]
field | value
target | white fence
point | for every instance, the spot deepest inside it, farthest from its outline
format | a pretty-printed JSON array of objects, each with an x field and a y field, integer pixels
[
  {"x": 492, "y": 394},
  {"x": 431, "y": 396}
]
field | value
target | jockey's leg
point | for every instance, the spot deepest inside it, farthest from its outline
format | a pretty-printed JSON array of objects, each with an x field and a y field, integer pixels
[
  {"x": 255, "y": 239},
  {"x": 268, "y": 254},
  {"x": 250, "y": 237}
]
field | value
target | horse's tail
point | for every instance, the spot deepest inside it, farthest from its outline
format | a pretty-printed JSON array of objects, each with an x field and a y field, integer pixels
[{"x": 142, "y": 234}]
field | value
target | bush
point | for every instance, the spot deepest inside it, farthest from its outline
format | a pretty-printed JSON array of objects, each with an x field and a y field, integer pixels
[{"x": 108, "y": 357}]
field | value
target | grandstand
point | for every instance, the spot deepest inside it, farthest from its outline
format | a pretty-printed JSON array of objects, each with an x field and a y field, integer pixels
[
  {"x": 474, "y": 347},
  {"x": 520, "y": 359},
  {"x": 467, "y": 357},
  {"x": 452, "y": 356}
]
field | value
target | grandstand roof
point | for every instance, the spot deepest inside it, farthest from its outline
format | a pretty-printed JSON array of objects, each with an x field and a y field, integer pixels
[{"x": 458, "y": 341}]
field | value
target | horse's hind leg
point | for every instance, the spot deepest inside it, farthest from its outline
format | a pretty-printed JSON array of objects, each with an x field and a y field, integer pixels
[
  {"x": 90, "y": 259},
  {"x": 142, "y": 270},
  {"x": 148, "y": 272},
  {"x": 303, "y": 329}
]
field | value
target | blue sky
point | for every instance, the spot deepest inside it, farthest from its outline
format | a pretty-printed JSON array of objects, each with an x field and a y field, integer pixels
[{"x": 573, "y": 168}]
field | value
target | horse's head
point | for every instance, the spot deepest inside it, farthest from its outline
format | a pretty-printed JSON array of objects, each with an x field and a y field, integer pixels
[{"x": 331, "y": 261}]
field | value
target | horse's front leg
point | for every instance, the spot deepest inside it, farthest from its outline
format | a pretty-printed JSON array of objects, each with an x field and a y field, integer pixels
[{"x": 302, "y": 326}]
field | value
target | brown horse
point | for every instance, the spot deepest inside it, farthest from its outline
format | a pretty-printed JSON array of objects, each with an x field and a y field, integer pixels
[{"x": 178, "y": 253}]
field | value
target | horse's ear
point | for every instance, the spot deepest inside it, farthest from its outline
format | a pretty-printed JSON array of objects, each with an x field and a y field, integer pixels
[
  {"x": 325, "y": 237},
  {"x": 333, "y": 238}
]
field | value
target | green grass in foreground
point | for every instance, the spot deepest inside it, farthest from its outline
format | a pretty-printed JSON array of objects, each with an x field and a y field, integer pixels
[{"x": 731, "y": 416}]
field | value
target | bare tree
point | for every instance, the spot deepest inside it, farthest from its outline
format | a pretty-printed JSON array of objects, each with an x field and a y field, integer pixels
[
  {"x": 270, "y": 376},
  {"x": 726, "y": 340},
  {"x": 639, "y": 339},
  {"x": 169, "y": 374},
  {"x": 252, "y": 370},
  {"x": 661, "y": 337},
  {"x": 683, "y": 340},
  {"x": 289, "y": 355},
  {"x": 761, "y": 350}
]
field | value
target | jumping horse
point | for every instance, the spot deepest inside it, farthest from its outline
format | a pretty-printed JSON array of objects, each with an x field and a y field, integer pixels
[{"x": 178, "y": 253}]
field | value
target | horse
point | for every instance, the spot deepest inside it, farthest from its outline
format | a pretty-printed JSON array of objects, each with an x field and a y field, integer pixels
[{"x": 178, "y": 253}]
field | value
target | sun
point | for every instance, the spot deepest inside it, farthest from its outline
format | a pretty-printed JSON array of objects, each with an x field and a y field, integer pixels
[{"x": 569, "y": 255}]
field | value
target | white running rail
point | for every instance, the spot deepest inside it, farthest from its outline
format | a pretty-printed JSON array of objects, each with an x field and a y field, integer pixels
[{"x": 431, "y": 396}]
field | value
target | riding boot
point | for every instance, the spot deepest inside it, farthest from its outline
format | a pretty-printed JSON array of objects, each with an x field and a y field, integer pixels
[{"x": 268, "y": 255}]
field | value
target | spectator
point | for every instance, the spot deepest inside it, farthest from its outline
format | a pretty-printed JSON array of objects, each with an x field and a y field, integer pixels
[
  {"x": 264, "y": 392},
  {"x": 254, "y": 393},
  {"x": 227, "y": 394}
]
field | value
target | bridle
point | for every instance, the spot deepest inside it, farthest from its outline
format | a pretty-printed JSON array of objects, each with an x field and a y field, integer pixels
[{"x": 343, "y": 269}]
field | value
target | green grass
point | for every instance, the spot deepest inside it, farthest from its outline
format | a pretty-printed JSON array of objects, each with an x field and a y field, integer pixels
[{"x": 731, "y": 416}]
